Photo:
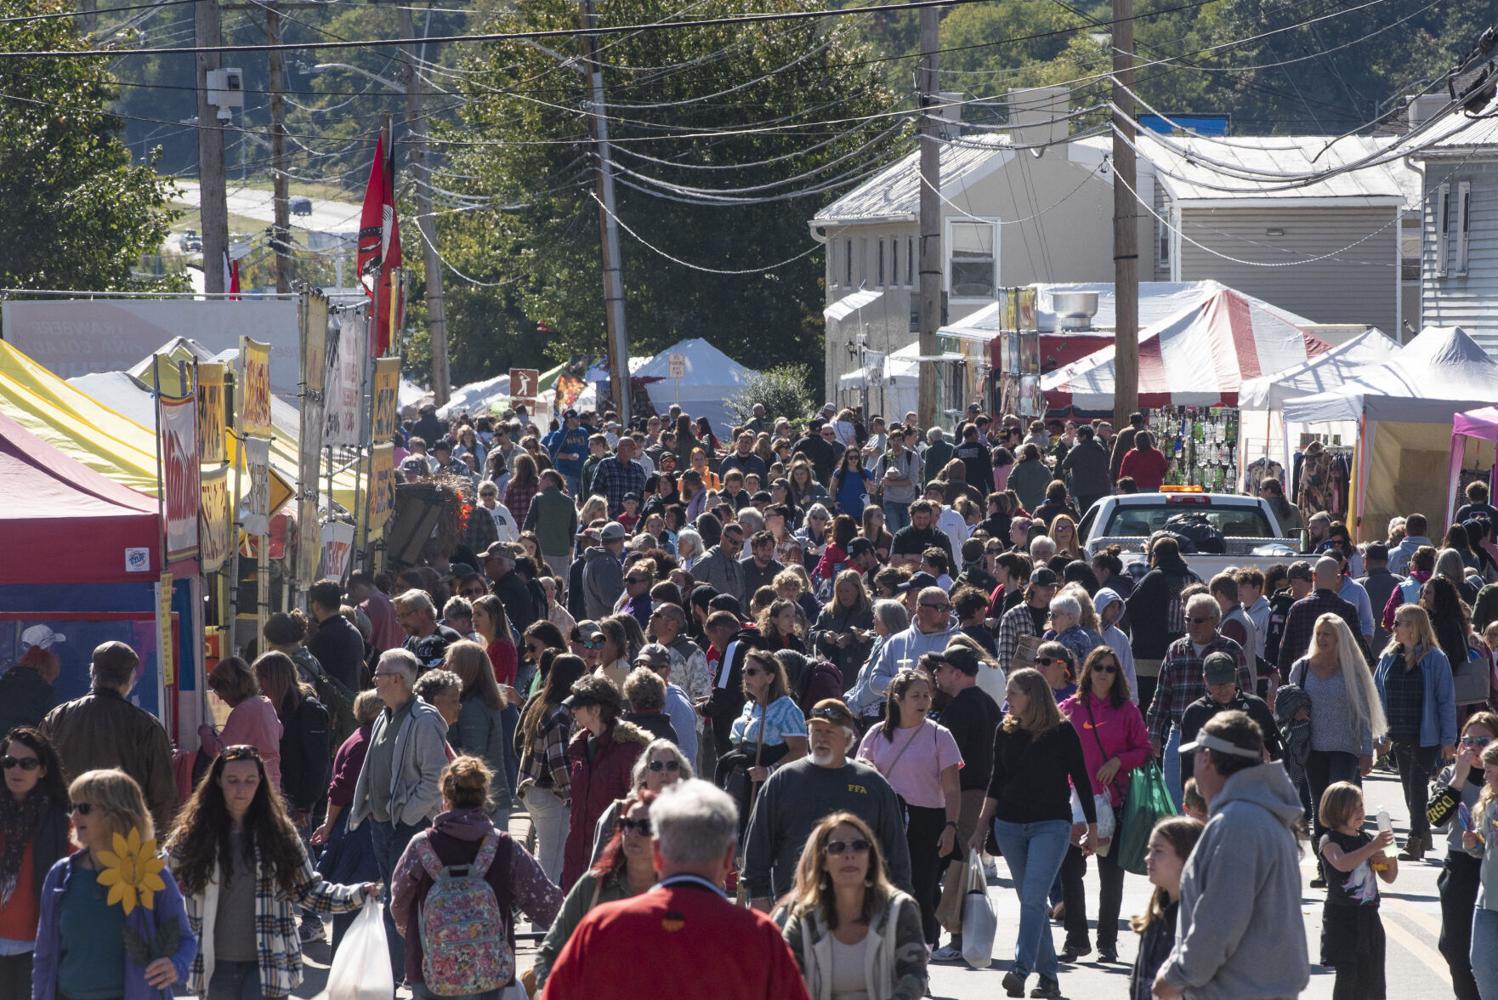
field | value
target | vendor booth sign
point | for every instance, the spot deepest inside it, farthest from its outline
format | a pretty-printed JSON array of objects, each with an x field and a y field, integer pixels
[
  {"x": 214, "y": 521},
  {"x": 180, "y": 474}
]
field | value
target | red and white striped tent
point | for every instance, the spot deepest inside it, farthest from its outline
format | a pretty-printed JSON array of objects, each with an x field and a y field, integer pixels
[{"x": 1198, "y": 357}]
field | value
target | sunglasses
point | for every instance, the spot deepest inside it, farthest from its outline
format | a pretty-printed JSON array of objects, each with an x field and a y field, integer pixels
[
  {"x": 1467, "y": 741},
  {"x": 665, "y": 765},
  {"x": 1105, "y": 668},
  {"x": 592, "y": 643},
  {"x": 640, "y": 826},
  {"x": 840, "y": 847},
  {"x": 754, "y": 672},
  {"x": 1046, "y": 661},
  {"x": 81, "y": 808},
  {"x": 24, "y": 763},
  {"x": 1200, "y": 621}
]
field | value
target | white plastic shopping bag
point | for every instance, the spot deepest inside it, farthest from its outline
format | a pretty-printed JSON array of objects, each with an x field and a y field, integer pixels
[
  {"x": 979, "y": 923},
  {"x": 361, "y": 965}
]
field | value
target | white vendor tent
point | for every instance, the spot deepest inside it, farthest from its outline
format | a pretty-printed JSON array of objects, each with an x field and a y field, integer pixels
[
  {"x": 1261, "y": 423},
  {"x": 893, "y": 381},
  {"x": 1198, "y": 357},
  {"x": 712, "y": 378},
  {"x": 1404, "y": 407},
  {"x": 478, "y": 397}
]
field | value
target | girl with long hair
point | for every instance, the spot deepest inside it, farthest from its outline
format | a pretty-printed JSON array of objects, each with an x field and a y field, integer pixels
[
  {"x": 835, "y": 555},
  {"x": 252, "y": 718},
  {"x": 232, "y": 845},
  {"x": 1346, "y": 713},
  {"x": 1063, "y": 531},
  {"x": 614, "y": 658},
  {"x": 872, "y": 528},
  {"x": 1482, "y": 841},
  {"x": 1459, "y": 785},
  {"x": 1170, "y": 845},
  {"x": 303, "y": 718},
  {"x": 538, "y": 637},
  {"x": 844, "y": 630},
  {"x": 707, "y": 438},
  {"x": 920, "y": 759},
  {"x": 1450, "y": 619},
  {"x": 805, "y": 489},
  {"x": 541, "y": 739},
  {"x": 851, "y": 483},
  {"x": 780, "y": 626},
  {"x": 841, "y": 907},
  {"x": 1037, "y": 760},
  {"x": 524, "y": 484},
  {"x": 625, "y": 868},
  {"x": 493, "y": 626},
  {"x": 481, "y": 731},
  {"x": 80, "y": 936},
  {"x": 33, "y": 837}
]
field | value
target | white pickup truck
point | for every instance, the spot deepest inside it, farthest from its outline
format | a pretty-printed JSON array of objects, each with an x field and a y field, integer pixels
[{"x": 1249, "y": 533}]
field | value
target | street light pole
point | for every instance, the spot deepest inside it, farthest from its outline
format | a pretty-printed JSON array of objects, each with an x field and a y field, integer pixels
[{"x": 613, "y": 282}]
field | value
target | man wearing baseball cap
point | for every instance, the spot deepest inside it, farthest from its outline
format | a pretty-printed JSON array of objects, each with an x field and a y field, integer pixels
[
  {"x": 568, "y": 446},
  {"x": 26, "y": 693},
  {"x": 1240, "y": 929},
  {"x": 603, "y": 572},
  {"x": 797, "y": 796},
  {"x": 1220, "y": 674}
]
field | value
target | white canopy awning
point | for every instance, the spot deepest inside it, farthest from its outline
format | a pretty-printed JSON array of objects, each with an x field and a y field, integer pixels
[{"x": 850, "y": 304}]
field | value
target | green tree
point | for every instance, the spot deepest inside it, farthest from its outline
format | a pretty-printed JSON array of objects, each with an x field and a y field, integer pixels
[
  {"x": 75, "y": 212},
  {"x": 799, "y": 92}
]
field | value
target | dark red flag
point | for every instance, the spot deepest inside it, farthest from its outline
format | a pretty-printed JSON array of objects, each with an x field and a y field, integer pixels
[{"x": 379, "y": 246}]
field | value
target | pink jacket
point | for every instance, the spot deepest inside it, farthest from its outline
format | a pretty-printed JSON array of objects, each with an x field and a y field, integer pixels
[
  {"x": 254, "y": 722},
  {"x": 1120, "y": 732}
]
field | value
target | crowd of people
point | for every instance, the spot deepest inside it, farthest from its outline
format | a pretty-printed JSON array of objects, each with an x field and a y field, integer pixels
[{"x": 810, "y": 668}]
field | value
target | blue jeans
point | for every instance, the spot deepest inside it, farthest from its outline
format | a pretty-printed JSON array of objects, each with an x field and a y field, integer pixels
[
  {"x": 1174, "y": 780},
  {"x": 390, "y": 840},
  {"x": 234, "y": 981},
  {"x": 1484, "y": 952},
  {"x": 896, "y": 515},
  {"x": 1033, "y": 852}
]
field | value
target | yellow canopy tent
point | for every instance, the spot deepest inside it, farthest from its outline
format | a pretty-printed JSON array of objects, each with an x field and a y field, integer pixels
[{"x": 86, "y": 430}]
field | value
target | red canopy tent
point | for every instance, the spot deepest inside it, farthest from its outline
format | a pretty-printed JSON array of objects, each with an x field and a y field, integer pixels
[{"x": 62, "y": 522}]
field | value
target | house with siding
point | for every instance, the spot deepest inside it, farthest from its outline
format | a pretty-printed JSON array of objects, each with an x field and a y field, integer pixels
[
  {"x": 1459, "y": 260},
  {"x": 1034, "y": 204}
]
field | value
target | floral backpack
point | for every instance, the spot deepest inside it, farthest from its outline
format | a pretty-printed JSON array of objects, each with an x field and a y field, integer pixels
[{"x": 465, "y": 946}]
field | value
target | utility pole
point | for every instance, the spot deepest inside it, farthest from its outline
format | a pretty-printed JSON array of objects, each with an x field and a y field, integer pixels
[
  {"x": 426, "y": 222},
  {"x": 1125, "y": 221},
  {"x": 281, "y": 229},
  {"x": 213, "y": 208},
  {"x": 603, "y": 186},
  {"x": 930, "y": 260}
]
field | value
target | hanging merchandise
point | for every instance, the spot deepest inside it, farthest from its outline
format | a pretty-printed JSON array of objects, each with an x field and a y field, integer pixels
[{"x": 1200, "y": 445}]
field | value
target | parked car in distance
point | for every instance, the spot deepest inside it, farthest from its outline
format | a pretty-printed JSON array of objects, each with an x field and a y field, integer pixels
[{"x": 301, "y": 205}]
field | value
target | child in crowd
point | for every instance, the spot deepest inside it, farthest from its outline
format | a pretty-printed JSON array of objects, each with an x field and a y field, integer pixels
[
  {"x": 1479, "y": 841},
  {"x": 1192, "y": 803},
  {"x": 1170, "y": 845},
  {"x": 1352, "y": 936}
]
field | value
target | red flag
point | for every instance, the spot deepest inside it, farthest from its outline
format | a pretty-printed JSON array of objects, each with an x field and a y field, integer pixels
[
  {"x": 379, "y": 247},
  {"x": 233, "y": 283}
]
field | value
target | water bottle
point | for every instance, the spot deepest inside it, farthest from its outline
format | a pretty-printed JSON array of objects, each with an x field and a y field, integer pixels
[
  {"x": 1380, "y": 862},
  {"x": 1384, "y": 823}
]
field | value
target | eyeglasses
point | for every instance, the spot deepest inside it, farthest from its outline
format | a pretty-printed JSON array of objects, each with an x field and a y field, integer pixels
[
  {"x": 24, "y": 763},
  {"x": 81, "y": 808},
  {"x": 640, "y": 826},
  {"x": 665, "y": 765},
  {"x": 937, "y": 607},
  {"x": 1201, "y": 621},
  {"x": 840, "y": 847},
  {"x": 1467, "y": 741}
]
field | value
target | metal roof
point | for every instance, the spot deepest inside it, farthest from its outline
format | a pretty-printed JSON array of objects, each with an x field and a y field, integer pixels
[
  {"x": 1184, "y": 167},
  {"x": 1459, "y": 133},
  {"x": 894, "y": 194}
]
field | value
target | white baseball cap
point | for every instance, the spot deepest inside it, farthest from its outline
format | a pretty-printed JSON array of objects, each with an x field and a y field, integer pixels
[{"x": 41, "y": 635}]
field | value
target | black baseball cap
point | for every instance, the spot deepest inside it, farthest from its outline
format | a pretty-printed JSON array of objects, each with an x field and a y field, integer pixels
[
  {"x": 859, "y": 546},
  {"x": 1044, "y": 576}
]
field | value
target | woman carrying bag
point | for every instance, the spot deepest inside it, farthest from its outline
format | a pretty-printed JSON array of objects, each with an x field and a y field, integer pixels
[
  {"x": 770, "y": 732},
  {"x": 1115, "y": 741}
]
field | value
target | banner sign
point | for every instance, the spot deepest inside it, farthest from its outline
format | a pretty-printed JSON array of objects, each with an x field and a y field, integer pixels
[
  {"x": 177, "y": 419},
  {"x": 211, "y": 413},
  {"x": 214, "y": 523},
  {"x": 254, "y": 388},
  {"x": 337, "y": 546},
  {"x": 165, "y": 647},
  {"x": 314, "y": 344},
  {"x": 314, "y": 380},
  {"x": 254, "y": 513},
  {"x": 381, "y": 487},
  {"x": 345, "y": 383},
  {"x": 387, "y": 381}
]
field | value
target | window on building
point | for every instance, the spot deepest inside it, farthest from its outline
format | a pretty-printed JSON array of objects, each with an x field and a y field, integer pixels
[
  {"x": 881, "y": 263},
  {"x": 863, "y": 260},
  {"x": 910, "y": 261},
  {"x": 972, "y": 259},
  {"x": 1463, "y": 220},
  {"x": 1163, "y": 234},
  {"x": 848, "y": 263},
  {"x": 1442, "y": 227},
  {"x": 894, "y": 261}
]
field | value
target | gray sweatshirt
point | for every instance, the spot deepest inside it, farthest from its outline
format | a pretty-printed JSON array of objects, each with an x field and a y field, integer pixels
[
  {"x": 800, "y": 795},
  {"x": 1240, "y": 934}
]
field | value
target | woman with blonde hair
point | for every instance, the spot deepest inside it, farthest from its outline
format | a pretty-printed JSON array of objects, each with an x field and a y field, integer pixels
[
  {"x": 80, "y": 935},
  {"x": 844, "y": 630},
  {"x": 1037, "y": 760},
  {"x": 852, "y": 932},
  {"x": 1063, "y": 530},
  {"x": 481, "y": 731},
  {"x": 1346, "y": 713},
  {"x": 1414, "y": 684}
]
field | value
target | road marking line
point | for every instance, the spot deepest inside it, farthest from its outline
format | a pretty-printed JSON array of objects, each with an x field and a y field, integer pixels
[{"x": 1428, "y": 956}]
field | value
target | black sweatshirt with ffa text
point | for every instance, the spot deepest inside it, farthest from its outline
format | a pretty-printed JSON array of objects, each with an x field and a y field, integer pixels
[{"x": 1030, "y": 773}]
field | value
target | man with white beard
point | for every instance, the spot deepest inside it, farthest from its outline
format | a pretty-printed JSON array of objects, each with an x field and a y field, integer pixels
[{"x": 799, "y": 795}]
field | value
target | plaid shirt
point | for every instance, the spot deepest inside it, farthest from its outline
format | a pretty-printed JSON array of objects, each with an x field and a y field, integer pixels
[
  {"x": 1300, "y": 625},
  {"x": 544, "y": 759},
  {"x": 1014, "y": 626},
  {"x": 1181, "y": 681},
  {"x": 277, "y": 947},
  {"x": 614, "y": 478}
]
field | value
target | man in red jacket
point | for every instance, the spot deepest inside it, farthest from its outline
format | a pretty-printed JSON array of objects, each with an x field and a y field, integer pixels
[{"x": 683, "y": 919}]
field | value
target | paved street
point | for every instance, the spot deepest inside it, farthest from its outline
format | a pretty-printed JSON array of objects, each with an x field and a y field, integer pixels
[
  {"x": 327, "y": 216},
  {"x": 1411, "y": 916}
]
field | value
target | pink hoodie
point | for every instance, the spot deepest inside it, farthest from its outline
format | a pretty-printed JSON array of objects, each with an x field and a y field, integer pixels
[
  {"x": 254, "y": 722},
  {"x": 1119, "y": 732}
]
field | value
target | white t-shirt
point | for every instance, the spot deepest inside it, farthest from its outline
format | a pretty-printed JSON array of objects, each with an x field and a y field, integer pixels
[{"x": 913, "y": 761}]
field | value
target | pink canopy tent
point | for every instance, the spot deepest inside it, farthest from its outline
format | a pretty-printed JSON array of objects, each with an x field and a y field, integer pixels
[
  {"x": 1481, "y": 425},
  {"x": 1198, "y": 357}
]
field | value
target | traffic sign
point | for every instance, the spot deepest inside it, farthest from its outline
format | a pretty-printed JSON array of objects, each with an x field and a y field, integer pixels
[
  {"x": 676, "y": 365},
  {"x": 523, "y": 383}
]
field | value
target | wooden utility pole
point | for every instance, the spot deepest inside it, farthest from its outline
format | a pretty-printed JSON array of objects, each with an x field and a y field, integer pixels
[
  {"x": 603, "y": 185},
  {"x": 1125, "y": 221},
  {"x": 930, "y": 259},
  {"x": 281, "y": 201},
  {"x": 426, "y": 222},
  {"x": 213, "y": 209}
]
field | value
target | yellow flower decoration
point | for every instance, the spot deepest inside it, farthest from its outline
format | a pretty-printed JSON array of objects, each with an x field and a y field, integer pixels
[{"x": 132, "y": 871}]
